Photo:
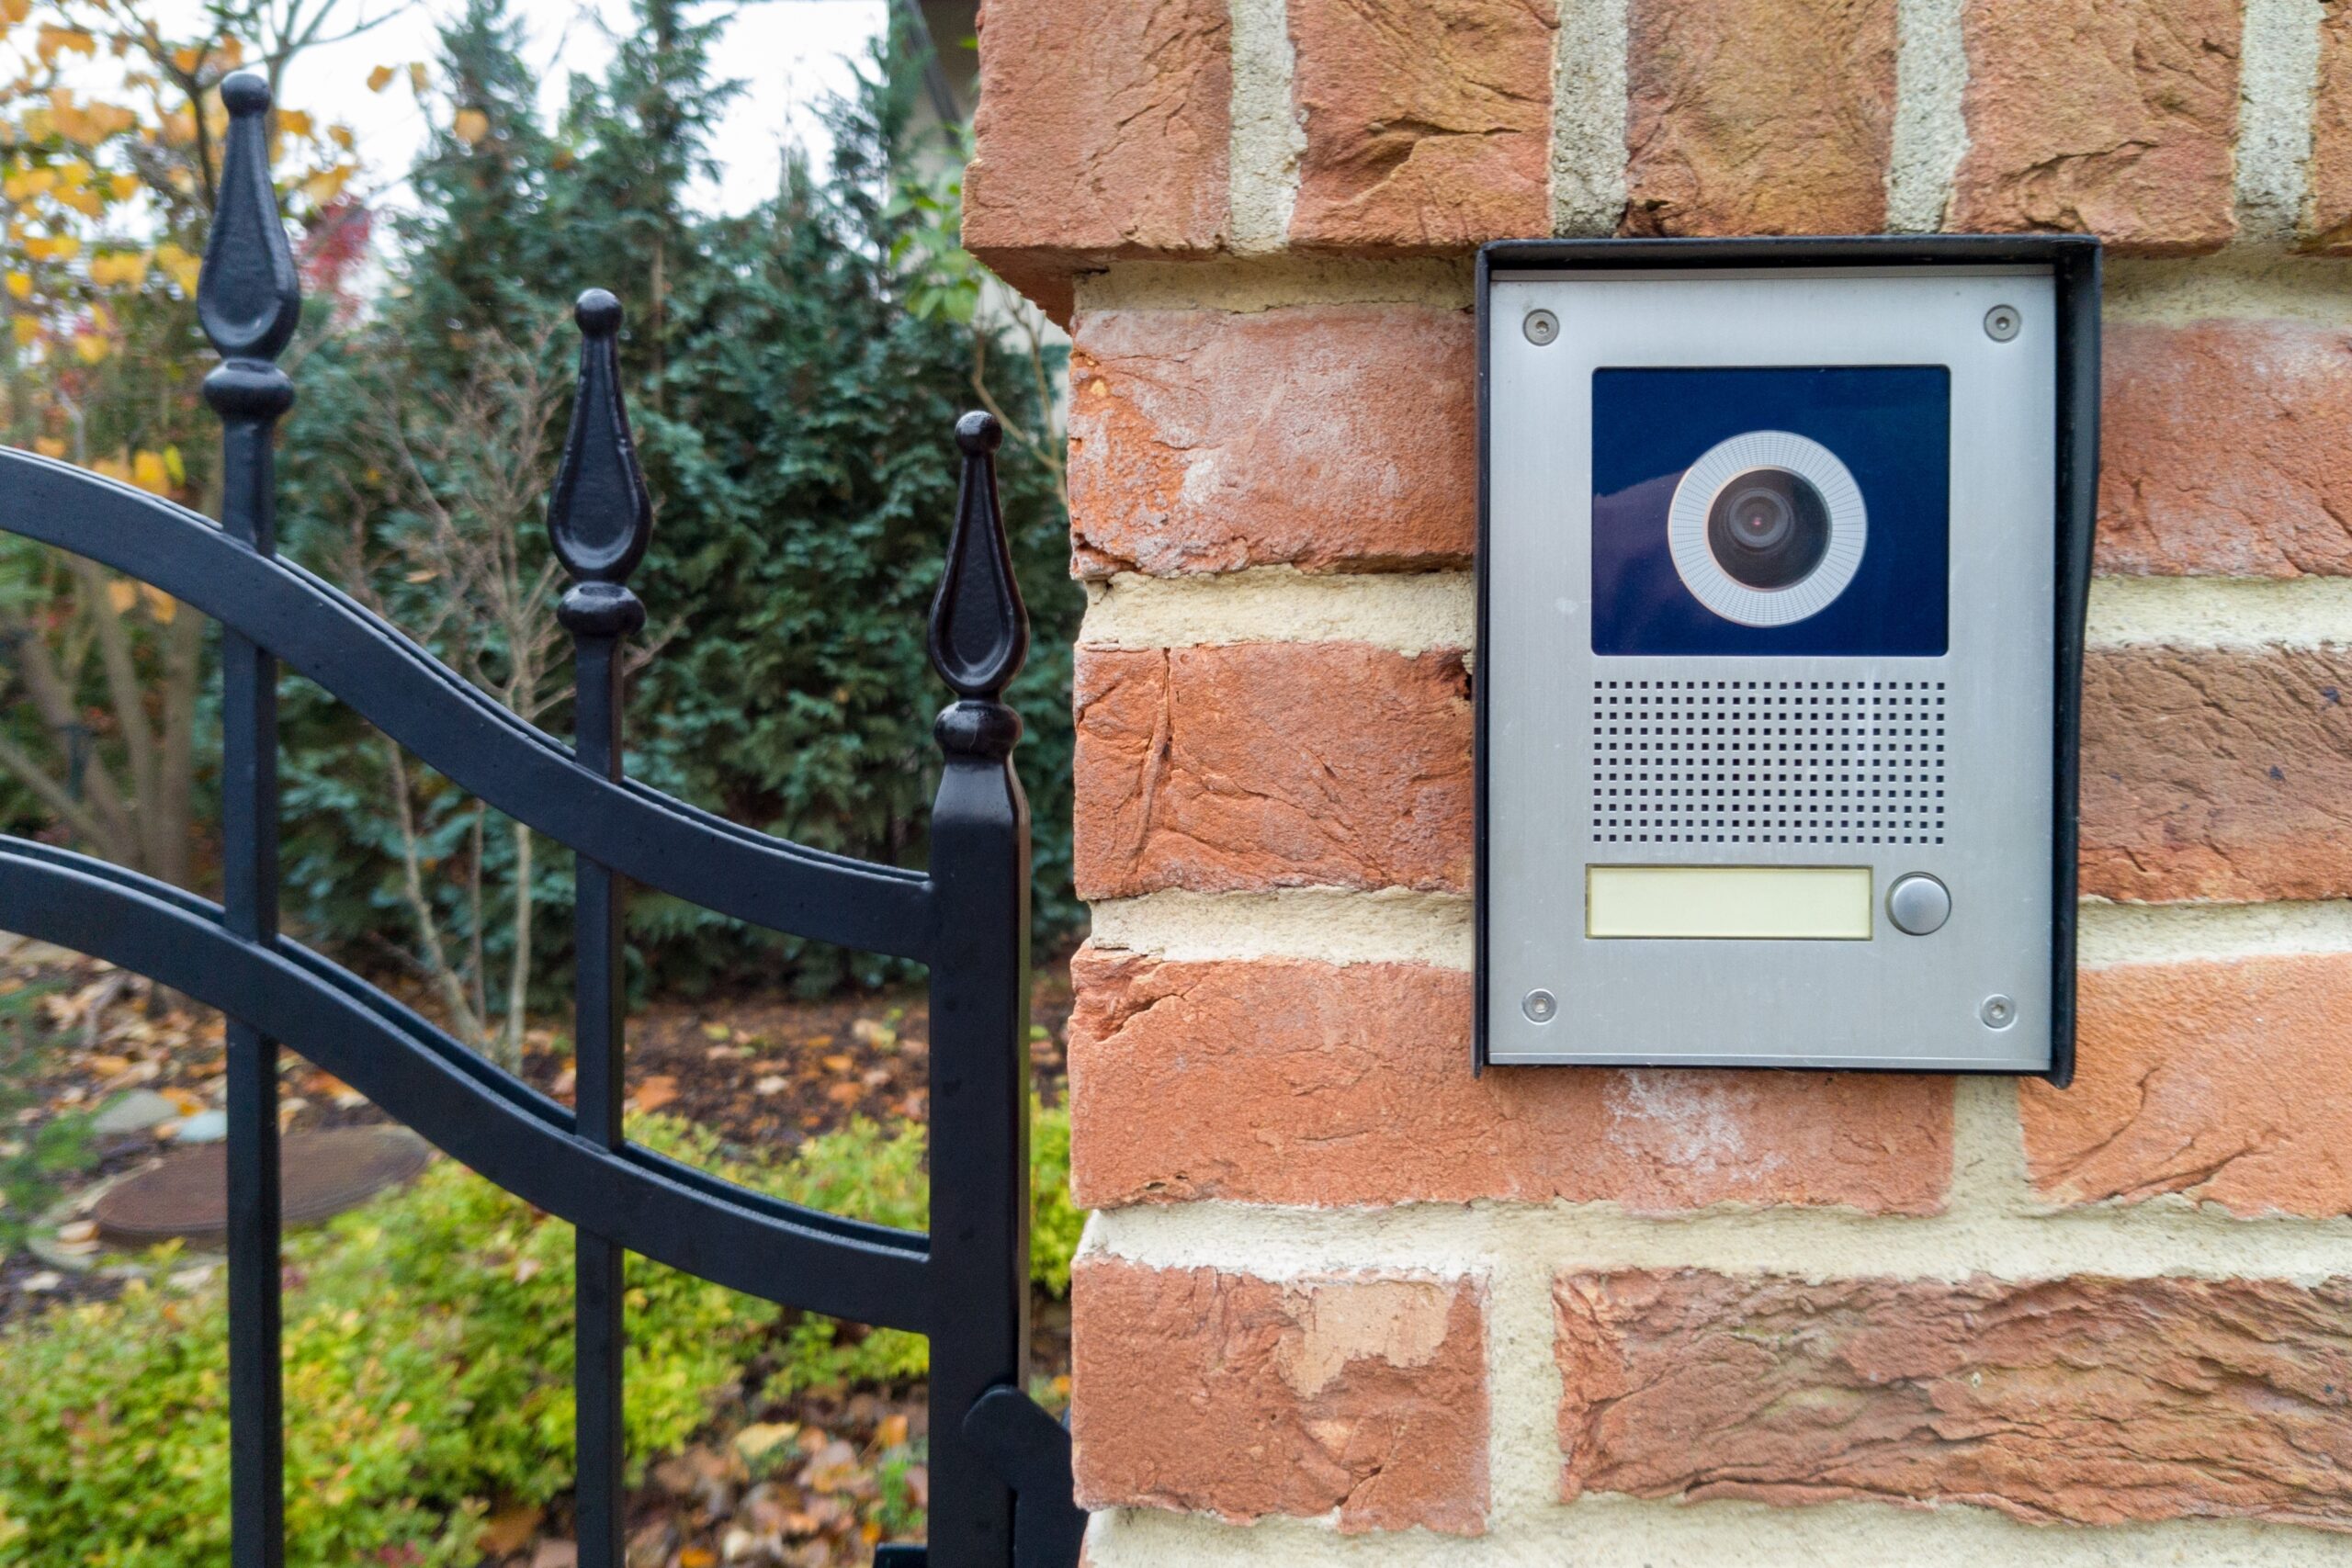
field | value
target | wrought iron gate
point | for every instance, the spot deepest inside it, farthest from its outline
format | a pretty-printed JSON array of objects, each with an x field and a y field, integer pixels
[{"x": 1001, "y": 1488}]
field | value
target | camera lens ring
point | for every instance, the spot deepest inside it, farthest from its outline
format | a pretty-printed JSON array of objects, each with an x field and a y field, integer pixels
[{"x": 1787, "y": 578}]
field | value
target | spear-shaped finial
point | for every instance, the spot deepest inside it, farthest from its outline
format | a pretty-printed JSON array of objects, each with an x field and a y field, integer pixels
[
  {"x": 248, "y": 297},
  {"x": 601, "y": 517},
  {"x": 979, "y": 634}
]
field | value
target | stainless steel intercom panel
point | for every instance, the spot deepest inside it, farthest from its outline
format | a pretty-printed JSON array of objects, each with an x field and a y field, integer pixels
[{"x": 1780, "y": 606}]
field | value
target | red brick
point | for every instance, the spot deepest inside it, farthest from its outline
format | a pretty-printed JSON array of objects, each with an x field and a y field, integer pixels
[
  {"x": 1758, "y": 117},
  {"x": 1271, "y": 765},
  {"x": 2206, "y": 774},
  {"x": 1428, "y": 122},
  {"x": 2224, "y": 450},
  {"x": 1221, "y": 1393},
  {"x": 2087, "y": 1401},
  {"x": 2229, "y": 1081},
  {"x": 1292, "y": 1081},
  {"x": 2216, "y": 775},
  {"x": 1102, "y": 132},
  {"x": 2115, "y": 118},
  {"x": 2328, "y": 223},
  {"x": 1322, "y": 437}
]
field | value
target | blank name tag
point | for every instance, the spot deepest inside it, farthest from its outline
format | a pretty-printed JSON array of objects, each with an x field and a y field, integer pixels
[{"x": 1816, "y": 903}]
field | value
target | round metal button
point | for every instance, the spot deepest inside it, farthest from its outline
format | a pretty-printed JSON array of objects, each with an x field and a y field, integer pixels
[{"x": 1918, "y": 904}]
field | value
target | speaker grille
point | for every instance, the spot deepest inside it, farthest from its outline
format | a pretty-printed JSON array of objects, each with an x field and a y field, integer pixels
[{"x": 1767, "y": 762}]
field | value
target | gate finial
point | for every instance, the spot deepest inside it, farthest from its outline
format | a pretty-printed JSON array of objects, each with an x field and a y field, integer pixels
[
  {"x": 248, "y": 297},
  {"x": 601, "y": 517},
  {"x": 979, "y": 633}
]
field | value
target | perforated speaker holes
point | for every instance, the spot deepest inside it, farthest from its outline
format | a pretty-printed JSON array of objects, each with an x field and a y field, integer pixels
[{"x": 1767, "y": 762}]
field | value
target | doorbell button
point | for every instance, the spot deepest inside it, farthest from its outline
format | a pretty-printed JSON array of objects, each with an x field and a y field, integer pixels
[{"x": 1918, "y": 904}]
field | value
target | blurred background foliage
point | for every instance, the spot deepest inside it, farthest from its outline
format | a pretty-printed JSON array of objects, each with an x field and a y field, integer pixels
[{"x": 793, "y": 373}]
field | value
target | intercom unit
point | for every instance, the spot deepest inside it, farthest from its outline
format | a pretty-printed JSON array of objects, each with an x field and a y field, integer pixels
[{"x": 1782, "y": 556}]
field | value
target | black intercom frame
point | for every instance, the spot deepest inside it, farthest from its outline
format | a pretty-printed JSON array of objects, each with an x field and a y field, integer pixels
[{"x": 2074, "y": 264}]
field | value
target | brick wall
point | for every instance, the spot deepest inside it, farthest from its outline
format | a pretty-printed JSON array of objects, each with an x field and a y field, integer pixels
[{"x": 1341, "y": 1302}]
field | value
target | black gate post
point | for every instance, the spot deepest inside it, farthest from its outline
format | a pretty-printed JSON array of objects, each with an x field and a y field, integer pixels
[
  {"x": 980, "y": 1020},
  {"x": 601, "y": 519},
  {"x": 249, "y": 300}
]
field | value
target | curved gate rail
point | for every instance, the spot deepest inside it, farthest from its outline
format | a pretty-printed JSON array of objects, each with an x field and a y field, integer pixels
[{"x": 1001, "y": 1489}]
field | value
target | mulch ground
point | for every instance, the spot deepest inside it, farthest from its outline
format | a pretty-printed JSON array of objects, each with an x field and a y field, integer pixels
[{"x": 800, "y": 1486}]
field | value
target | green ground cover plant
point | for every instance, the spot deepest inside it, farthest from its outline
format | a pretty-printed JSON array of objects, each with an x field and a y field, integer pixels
[{"x": 428, "y": 1363}]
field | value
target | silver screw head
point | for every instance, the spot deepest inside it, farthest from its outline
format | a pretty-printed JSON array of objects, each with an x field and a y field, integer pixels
[
  {"x": 1538, "y": 1006},
  {"x": 1541, "y": 327},
  {"x": 2002, "y": 323},
  {"x": 1998, "y": 1011}
]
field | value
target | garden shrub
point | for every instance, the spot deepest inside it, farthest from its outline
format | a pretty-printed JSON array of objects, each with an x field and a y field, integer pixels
[{"x": 428, "y": 1368}]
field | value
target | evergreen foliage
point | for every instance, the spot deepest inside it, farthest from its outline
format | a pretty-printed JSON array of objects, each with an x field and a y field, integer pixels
[{"x": 793, "y": 416}]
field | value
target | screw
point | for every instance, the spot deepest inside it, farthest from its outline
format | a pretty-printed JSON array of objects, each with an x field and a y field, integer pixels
[
  {"x": 1541, "y": 327},
  {"x": 1998, "y": 1012},
  {"x": 1540, "y": 1006},
  {"x": 2002, "y": 322}
]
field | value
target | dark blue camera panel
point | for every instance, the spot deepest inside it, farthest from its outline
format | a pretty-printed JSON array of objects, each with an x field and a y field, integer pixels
[{"x": 1890, "y": 425}]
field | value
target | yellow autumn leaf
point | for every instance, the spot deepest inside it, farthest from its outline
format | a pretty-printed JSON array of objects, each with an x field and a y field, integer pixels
[
  {"x": 16, "y": 10},
  {"x": 160, "y": 605},
  {"x": 29, "y": 183},
  {"x": 52, "y": 247},
  {"x": 324, "y": 186},
  {"x": 174, "y": 466},
  {"x": 114, "y": 268},
  {"x": 24, "y": 329},
  {"x": 55, "y": 41},
  {"x": 50, "y": 445},
  {"x": 472, "y": 125},
  {"x": 20, "y": 285},
  {"x": 380, "y": 78},
  {"x": 90, "y": 348},
  {"x": 418, "y": 78},
  {"x": 181, "y": 266},
  {"x": 148, "y": 473},
  {"x": 120, "y": 594},
  {"x": 82, "y": 200},
  {"x": 342, "y": 137},
  {"x": 114, "y": 468},
  {"x": 294, "y": 123}
]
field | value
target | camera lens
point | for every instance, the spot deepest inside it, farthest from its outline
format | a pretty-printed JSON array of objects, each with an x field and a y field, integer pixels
[{"x": 1767, "y": 528}]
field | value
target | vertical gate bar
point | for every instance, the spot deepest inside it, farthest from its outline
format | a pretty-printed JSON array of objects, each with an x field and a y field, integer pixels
[
  {"x": 600, "y": 519},
  {"x": 979, "y": 1020},
  {"x": 248, "y": 299}
]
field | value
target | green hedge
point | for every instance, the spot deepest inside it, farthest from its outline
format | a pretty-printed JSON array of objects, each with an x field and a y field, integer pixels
[{"x": 428, "y": 1366}]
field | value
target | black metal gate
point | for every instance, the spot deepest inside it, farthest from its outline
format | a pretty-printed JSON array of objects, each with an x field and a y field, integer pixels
[{"x": 1001, "y": 1488}]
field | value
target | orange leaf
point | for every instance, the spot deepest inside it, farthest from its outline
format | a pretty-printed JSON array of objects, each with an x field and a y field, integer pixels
[
  {"x": 472, "y": 125},
  {"x": 656, "y": 1092},
  {"x": 380, "y": 78}
]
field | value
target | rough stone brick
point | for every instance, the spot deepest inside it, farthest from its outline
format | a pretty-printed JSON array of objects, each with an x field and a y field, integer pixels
[
  {"x": 2084, "y": 1400},
  {"x": 2228, "y": 1081},
  {"x": 1222, "y": 1393},
  {"x": 2115, "y": 118},
  {"x": 1428, "y": 122},
  {"x": 1338, "y": 436},
  {"x": 2216, "y": 775},
  {"x": 1102, "y": 132},
  {"x": 2328, "y": 222},
  {"x": 2223, "y": 449},
  {"x": 1758, "y": 117},
  {"x": 1271, "y": 765},
  {"x": 1289, "y": 1082}
]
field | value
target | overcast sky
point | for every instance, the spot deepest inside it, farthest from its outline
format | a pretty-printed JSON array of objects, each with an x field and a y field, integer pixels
[{"x": 788, "y": 53}]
